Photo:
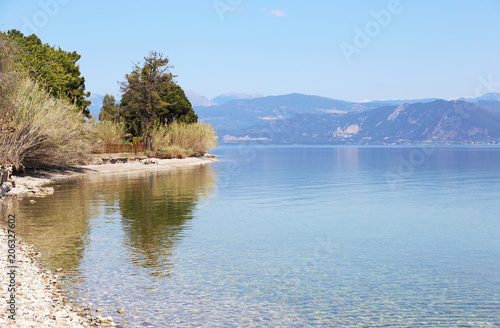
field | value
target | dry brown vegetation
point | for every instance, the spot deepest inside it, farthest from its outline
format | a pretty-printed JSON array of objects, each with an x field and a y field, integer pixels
[
  {"x": 182, "y": 139},
  {"x": 37, "y": 130},
  {"x": 45, "y": 131}
]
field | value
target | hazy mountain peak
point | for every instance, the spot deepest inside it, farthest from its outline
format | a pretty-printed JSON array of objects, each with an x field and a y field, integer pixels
[
  {"x": 197, "y": 99},
  {"x": 229, "y": 96},
  {"x": 96, "y": 99},
  {"x": 95, "y": 105},
  {"x": 490, "y": 96}
]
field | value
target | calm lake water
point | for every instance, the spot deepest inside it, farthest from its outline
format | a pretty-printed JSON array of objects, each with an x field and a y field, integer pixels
[{"x": 284, "y": 237}]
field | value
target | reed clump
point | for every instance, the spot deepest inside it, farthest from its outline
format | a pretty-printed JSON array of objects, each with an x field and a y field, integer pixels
[
  {"x": 36, "y": 129},
  {"x": 183, "y": 140},
  {"x": 109, "y": 132}
]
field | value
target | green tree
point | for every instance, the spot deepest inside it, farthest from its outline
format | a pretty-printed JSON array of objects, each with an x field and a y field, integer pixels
[
  {"x": 110, "y": 111},
  {"x": 151, "y": 97},
  {"x": 55, "y": 69},
  {"x": 179, "y": 109}
]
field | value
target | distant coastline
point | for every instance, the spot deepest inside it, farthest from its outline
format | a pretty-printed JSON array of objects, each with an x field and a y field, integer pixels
[{"x": 313, "y": 120}]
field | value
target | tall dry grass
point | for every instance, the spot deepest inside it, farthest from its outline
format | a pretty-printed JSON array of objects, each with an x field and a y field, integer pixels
[
  {"x": 46, "y": 132},
  {"x": 7, "y": 82},
  {"x": 109, "y": 132},
  {"x": 182, "y": 138}
]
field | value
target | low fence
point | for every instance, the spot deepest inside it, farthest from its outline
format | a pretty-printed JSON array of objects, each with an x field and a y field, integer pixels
[{"x": 127, "y": 148}]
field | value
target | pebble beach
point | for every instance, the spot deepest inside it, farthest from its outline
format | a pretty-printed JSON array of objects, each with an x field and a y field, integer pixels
[{"x": 38, "y": 300}]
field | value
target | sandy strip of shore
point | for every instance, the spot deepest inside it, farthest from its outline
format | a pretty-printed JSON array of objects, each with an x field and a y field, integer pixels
[
  {"x": 39, "y": 300},
  {"x": 161, "y": 164},
  {"x": 32, "y": 183}
]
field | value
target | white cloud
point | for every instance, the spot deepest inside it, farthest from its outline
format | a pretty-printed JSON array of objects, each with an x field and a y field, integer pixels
[
  {"x": 274, "y": 12},
  {"x": 278, "y": 13}
]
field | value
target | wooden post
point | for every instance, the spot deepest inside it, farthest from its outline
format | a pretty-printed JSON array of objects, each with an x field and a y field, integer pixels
[{"x": 135, "y": 142}]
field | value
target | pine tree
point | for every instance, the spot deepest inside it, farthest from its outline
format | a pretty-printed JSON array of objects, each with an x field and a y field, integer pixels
[{"x": 151, "y": 97}]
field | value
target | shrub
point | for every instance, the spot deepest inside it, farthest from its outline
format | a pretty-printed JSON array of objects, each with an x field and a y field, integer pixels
[{"x": 45, "y": 131}]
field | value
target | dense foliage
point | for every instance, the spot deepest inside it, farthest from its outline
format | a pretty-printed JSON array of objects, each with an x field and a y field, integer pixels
[
  {"x": 110, "y": 110},
  {"x": 151, "y": 97},
  {"x": 43, "y": 131},
  {"x": 37, "y": 130},
  {"x": 55, "y": 70}
]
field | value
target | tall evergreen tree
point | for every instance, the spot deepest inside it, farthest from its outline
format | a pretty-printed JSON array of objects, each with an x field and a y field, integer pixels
[{"x": 151, "y": 96}]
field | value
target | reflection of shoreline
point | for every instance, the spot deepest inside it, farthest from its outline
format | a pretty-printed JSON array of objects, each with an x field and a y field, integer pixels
[
  {"x": 32, "y": 183},
  {"x": 62, "y": 233}
]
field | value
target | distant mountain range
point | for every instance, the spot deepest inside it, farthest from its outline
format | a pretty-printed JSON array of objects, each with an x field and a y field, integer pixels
[
  {"x": 244, "y": 113},
  {"x": 305, "y": 119},
  {"x": 226, "y": 97},
  {"x": 201, "y": 101}
]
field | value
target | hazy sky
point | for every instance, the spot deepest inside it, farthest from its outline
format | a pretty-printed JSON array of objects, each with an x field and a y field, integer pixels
[{"x": 351, "y": 50}]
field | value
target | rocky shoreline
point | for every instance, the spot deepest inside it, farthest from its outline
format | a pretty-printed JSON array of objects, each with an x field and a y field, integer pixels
[{"x": 39, "y": 299}]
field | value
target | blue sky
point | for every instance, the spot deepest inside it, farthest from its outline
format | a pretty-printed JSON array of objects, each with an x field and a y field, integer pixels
[{"x": 351, "y": 50}]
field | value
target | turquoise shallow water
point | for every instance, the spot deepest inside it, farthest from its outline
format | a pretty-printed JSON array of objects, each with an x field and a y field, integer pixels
[{"x": 285, "y": 237}]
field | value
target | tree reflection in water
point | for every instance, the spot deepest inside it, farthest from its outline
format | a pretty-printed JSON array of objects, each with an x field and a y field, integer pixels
[
  {"x": 155, "y": 213},
  {"x": 154, "y": 209}
]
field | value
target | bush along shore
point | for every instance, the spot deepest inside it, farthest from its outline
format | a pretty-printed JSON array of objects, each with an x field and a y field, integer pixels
[{"x": 45, "y": 123}]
